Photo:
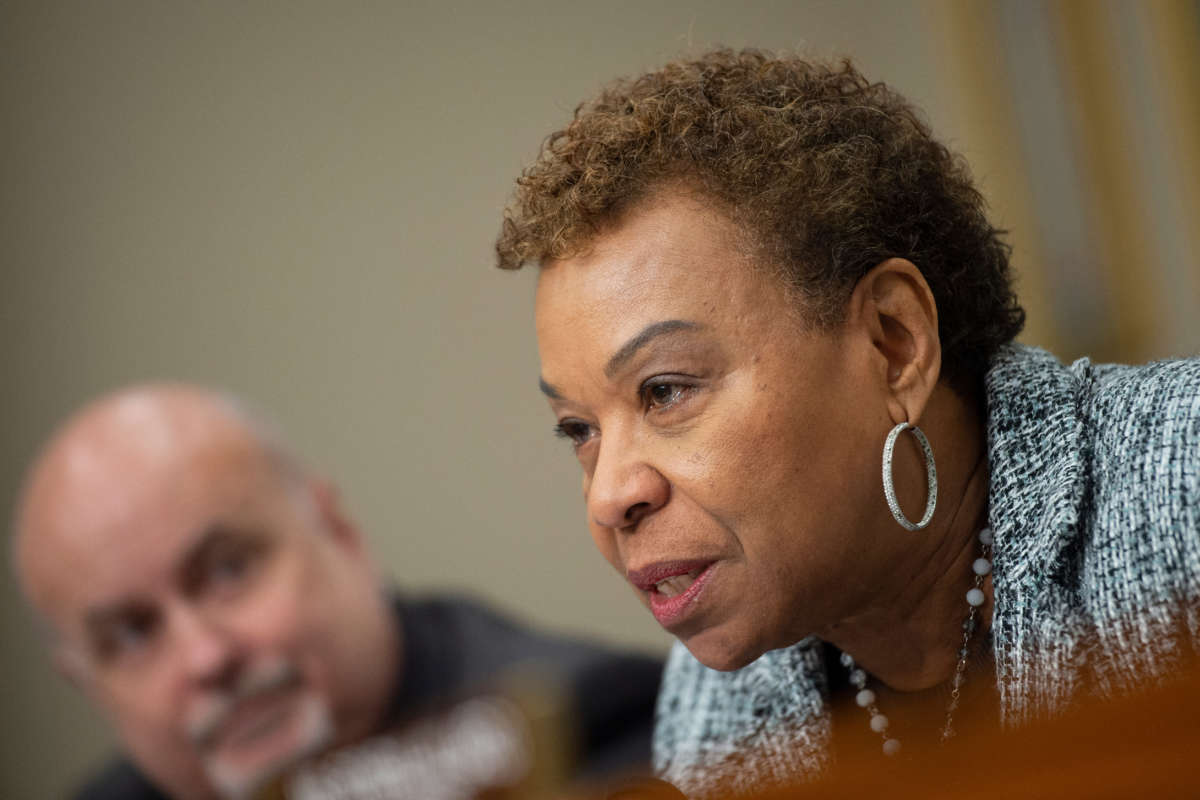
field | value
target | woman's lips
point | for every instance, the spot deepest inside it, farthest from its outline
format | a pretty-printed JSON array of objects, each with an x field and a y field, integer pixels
[{"x": 673, "y": 587}]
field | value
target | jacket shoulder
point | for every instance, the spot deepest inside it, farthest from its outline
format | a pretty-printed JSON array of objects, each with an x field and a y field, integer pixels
[
  {"x": 119, "y": 780},
  {"x": 1143, "y": 430},
  {"x": 1142, "y": 568}
]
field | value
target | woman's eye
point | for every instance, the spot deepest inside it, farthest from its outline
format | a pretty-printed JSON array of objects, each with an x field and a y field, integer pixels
[
  {"x": 573, "y": 430},
  {"x": 662, "y": 394}
]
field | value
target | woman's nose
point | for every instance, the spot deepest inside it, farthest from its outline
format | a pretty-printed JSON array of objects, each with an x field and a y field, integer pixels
[{"x": 624, "y": 490}]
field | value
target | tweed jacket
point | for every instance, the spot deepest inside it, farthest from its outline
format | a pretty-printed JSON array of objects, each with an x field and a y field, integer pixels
[{"x": 1094, "y": 503}]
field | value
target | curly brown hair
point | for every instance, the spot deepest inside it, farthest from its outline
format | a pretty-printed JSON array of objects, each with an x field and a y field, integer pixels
[{"x": 831, "y": 175}]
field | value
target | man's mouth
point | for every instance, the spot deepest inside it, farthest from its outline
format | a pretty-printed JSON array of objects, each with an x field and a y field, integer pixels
[
  {"x": 253, "y": 697},
  {"x": 264, "y": 738},
  {"x": 255, "y": 718}
]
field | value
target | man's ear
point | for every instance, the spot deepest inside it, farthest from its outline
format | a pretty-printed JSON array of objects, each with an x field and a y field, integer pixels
[
  {"x": 69, "y": 663},
  {"x": 893, "y": 306},
  {"x": 342, "y": 529}
]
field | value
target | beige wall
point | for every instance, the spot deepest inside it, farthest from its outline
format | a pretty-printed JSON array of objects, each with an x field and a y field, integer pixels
[{"x": 297, "y": 202}]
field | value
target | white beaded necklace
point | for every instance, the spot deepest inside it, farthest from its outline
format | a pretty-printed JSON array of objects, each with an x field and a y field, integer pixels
[{"x": 975, "y": 598}]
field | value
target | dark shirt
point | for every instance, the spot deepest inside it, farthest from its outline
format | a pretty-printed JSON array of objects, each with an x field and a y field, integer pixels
[{"x": 454, "y": 645}]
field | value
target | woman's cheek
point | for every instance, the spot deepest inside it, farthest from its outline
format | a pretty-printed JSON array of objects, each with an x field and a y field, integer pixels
[{"x": 604, "y": 539}]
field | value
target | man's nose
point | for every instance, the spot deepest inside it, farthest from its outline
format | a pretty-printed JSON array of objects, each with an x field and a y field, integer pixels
[
  {"x": 206, "y": 650},
  {"x": 624, "y": 488}
]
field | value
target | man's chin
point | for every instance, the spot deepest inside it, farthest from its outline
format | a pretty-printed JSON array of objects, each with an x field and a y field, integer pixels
[{"x": 238, "y": 770}]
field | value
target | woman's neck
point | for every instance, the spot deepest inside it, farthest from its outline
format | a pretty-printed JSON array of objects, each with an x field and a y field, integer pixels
[{"x": 909, "y": 633}]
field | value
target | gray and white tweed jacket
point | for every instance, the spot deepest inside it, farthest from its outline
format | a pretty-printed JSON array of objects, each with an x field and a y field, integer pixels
[{"x": 1094, "y": 502}]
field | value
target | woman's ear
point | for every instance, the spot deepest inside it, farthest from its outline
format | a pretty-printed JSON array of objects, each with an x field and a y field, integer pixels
[{"x": 893, "y": 307}]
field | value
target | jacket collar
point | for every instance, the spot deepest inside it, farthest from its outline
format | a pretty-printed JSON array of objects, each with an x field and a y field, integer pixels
[{"x": 1037, "y": 459}]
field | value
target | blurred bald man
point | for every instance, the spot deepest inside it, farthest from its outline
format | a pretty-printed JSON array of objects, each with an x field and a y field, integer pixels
[{"x": 210, "y": 596}]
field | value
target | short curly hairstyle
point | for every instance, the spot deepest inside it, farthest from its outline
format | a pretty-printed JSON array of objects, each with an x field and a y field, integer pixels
[{"x": 829, "y": 173}]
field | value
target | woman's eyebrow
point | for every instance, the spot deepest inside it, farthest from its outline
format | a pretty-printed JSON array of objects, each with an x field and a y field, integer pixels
[
  {"x": 644, "y": 337},
  {"x": 629, "y": 350}
]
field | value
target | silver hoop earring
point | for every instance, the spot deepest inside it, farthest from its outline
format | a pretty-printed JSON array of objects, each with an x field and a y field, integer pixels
[{"x": 889, "y": 488}]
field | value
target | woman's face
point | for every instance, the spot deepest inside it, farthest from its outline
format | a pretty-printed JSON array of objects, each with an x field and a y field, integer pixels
[{"x": 730, "y": 455}]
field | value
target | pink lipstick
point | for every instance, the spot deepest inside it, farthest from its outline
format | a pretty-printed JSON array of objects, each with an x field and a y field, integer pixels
[{"x": 673, "y": 587}]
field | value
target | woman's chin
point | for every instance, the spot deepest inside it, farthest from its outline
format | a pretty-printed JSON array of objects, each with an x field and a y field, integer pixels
[{"x": 721, "y": 652}]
